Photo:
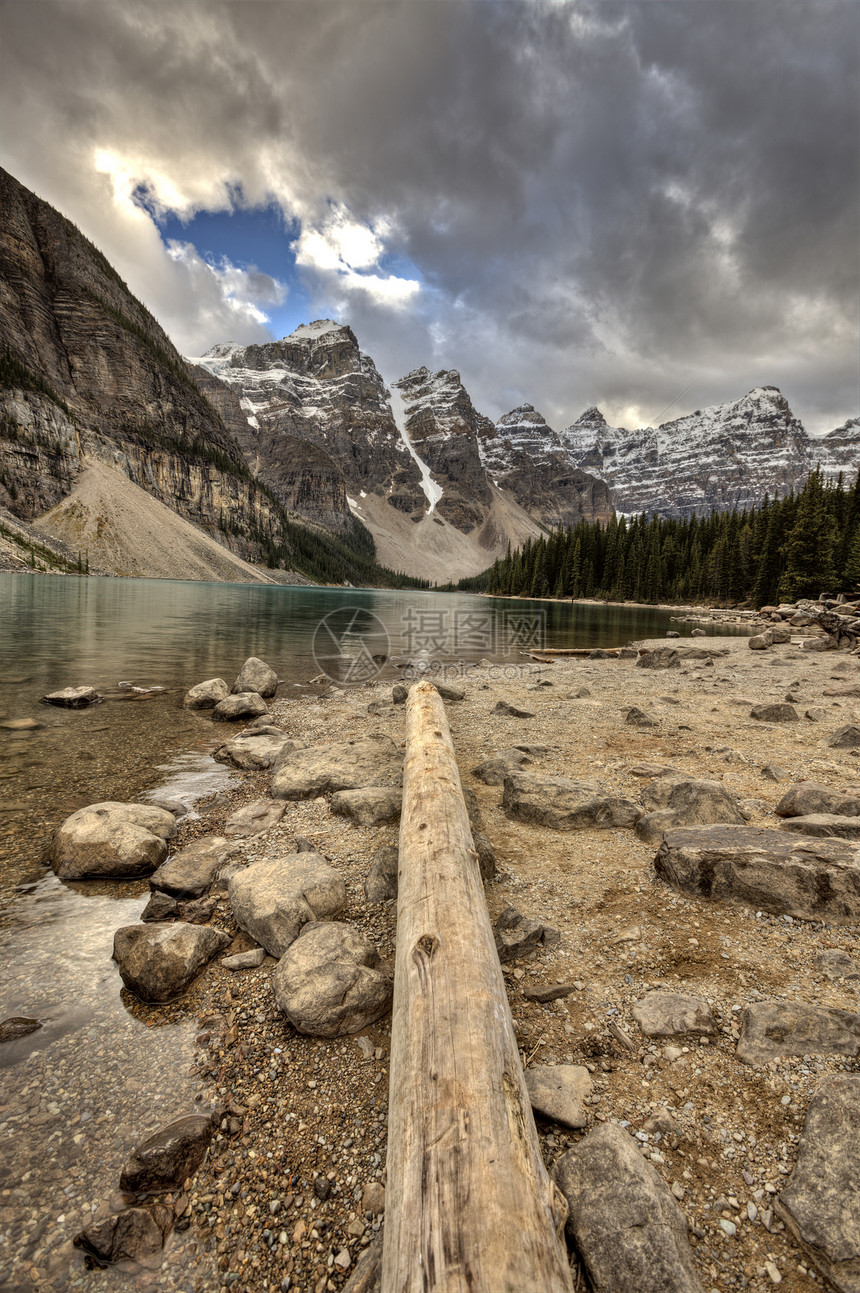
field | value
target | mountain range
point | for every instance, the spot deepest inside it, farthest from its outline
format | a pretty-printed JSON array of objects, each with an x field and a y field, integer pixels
[{"x": 293, "y": 453}]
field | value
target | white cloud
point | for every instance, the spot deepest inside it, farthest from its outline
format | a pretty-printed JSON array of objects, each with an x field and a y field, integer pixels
[
  {"x": 241, "y": 290},
  {"x": 337, "y": 249}
]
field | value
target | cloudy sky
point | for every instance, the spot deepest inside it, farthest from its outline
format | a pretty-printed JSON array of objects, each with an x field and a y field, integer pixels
[{"x": 648, "y": 206}]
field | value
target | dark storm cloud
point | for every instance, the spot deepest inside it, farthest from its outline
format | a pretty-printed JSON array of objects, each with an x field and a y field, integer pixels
[{"x": 603, "y": 201}]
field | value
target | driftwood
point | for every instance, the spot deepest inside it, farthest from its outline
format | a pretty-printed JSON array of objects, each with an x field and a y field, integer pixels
[
  {"x": 469, "y": 1205},
  {"x": 845, "y": 628}
]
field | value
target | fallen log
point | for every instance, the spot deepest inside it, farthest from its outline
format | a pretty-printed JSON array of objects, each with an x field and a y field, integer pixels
[{"x": 470, "y": 1207}]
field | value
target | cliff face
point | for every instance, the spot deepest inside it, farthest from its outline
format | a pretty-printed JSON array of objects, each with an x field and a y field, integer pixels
[
  {"x": 839, "y": 451},
  {"x": 87, "y": 372}
]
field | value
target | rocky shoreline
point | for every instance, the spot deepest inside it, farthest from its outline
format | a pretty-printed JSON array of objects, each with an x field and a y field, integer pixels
[{"x": 578, "y": 769}]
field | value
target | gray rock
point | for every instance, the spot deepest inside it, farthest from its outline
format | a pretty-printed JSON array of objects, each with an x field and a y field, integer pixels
[
  {"x": 773, "y": 1028},
  {"x": 274, "y": 898},
  {"x": 167, "y": 1157},
  {"x": 399, "y": 693},
  {"x": 698, "y": 633},
  {"x": 493, "y": 771},
  {"x": 73, "y": 698},
  {"x": 134, "y": 1235},
  {"x": 254, "y": 818},
  {"x": 206, "y": 695},
  {"x": 565, "y": 805},
  {"x": 511, "y": 711},
  {"x": 245, "y": 960},
  {"x": 18, "y": 1026},
  {"x": 557, "y": 1092},
  {"x": 819, "y": 644},
  {"x": 486, "y": 855},
  {"x": 776, "y": 713},
  {"x": 672, "y": 633},
  {"x": 836, "y": 964},
  {"x": 370, "y": 806},
  {"x": 326, "y": 983},
  {"x": 581, "y": 693},
  {"x": 760, "y": 641},
  {"x": 245, "y": 704},
  {"x": 344, "y": 765},
  {"x": 516, "y": 935},
  {"x": 381, "y": 882},
  {"x": 673, "y": 1014},
  {"x": 628, "y": 653},
  {"x": 623, "y": 1219},
  {"x": 846, "y": 738},
  {"x": 255, "y": 676},
  {"x": 820, "y": 1205},
  {"x": 545, "y": 992},
  {"x": 111, "y": 839},
  {"x": 824, "y": 824},
  {"x": 160, "y": 907},
  {"x": 659, "y": 658},
  {"x": 159, "y": 962},
  {"x": 638, "y": 718},
  {"x": 189, "y": 873},
  {"x": 256, "y": 751},
  {"x": 678, "y": 801},
  {"x": 813, "y": 879},
  {"x": 449, "y": 692},
  {"x": 199, "y": 911},
  {"x": 780, "y": 634},
  {"x": 773, "y": 772}
]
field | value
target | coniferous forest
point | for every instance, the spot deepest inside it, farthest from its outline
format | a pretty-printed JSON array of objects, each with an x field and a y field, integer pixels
[{"x": 797, "y": 546}]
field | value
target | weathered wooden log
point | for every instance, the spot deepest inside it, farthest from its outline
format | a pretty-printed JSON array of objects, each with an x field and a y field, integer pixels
[{"x": 470, "y": 1207}]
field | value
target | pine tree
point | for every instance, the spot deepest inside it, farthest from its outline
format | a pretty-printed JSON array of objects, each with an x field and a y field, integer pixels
[{"x": 810, "y": 545}]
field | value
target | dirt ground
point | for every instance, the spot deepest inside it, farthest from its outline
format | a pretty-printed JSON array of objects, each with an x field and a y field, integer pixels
[{"x": 290, "y": 1193}]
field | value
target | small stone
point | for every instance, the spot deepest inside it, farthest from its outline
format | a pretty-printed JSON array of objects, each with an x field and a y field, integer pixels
[
  {"x": 73, "y": 698},
  {"x": 245, "y": 960},
  {"x": 672, "y": 1014},
  {"x": 343, "y": 1259}
]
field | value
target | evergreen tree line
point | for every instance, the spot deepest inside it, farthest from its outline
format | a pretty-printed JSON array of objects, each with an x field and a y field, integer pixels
[{"x": 797, "y": 546}]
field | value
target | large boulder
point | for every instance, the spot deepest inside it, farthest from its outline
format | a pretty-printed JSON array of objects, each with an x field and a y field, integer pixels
[
  {"x": 160, "y": 962},
  {"x": 845, "y": 738},
  {"x": 206, "y": 695},
  {"x": 256, "y": 676},
  {"x": 254, "y": 751},
  {"x": 565, "y": 805},
  {"x": 828, "y": 825},
  {"x": 821, "y": 1204},
  {"x": 814, "y": 879},
  {"x": 558, "y": 1092},
  {"x": 673, "y": 1014},
  {"x": 111, "y": 839},
  {"x": 808, "y": 797},
  {"x": 371, "y": 806},
  {"x": 770, "y": 1029},
  {"x": 189, "y": 873},
  {"x": 660, "y": 658},
  {"x": 760, "y": 641},
  {"x": 343, "y": 765},
  {"x": 327, "y": 983},
  {"x": 246, "y": 704},
  {"x": 681, "y": 801},
  {"x": 73, "y": 698},
  {"x": 274, "y": 898},
  {"x": 622, "y": 1217},
  {"x": 166, "y": 1158}
]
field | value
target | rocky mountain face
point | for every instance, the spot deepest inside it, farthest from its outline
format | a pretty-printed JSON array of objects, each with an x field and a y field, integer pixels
[
  {"x": 721, "y": 457},
  {"x": 86, "y": 372},
  {"x": 839, "y": 451}
]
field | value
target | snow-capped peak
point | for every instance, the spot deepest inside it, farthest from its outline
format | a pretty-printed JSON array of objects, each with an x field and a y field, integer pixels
[{"x": 312, "y": 331}]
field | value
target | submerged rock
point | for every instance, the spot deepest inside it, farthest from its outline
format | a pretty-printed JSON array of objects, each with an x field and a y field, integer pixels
[
  {"x": 111, "y": 839},
  {"x": 206, "y": 695},
  {"x": 73, "y": 698},
  {"x": 256, "y": 676},
  {"x": 159, "y": 962},
  {"x": 18, "y": 1026},
  {"x": 246, "y": 704},
  {"x": 167, "y": 1157},
  {"x": 135, "y": 1235}
]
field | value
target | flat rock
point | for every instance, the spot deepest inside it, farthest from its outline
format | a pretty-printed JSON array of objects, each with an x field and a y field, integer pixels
[
  {"x": 845, "y": 738},
  {"x": 511, "y": 711},
  {"x": 809, "y": 797},
  {"x": 255, "y": 676},
  {"x": 679, "y": 801},
  {"x": 622, "y": 1217},
  {"x": 206, "y": 695},
  {"x": 659, "y": 658},
  {"x": 18, "y": 1026},
  {"x": 565, "y": 805},
  {"x": 828, "y": 825},
  {"x": 770, "y": 1029},
  {"x": 255, "y": 751},
  {"x": 821, "y": 1205},
  {"x": 159, "y": 962},
  {"x": 557, "y": 1092},
  {"x": 494, "y": 770},
  {"x": 245, "y": 960},
  {"x": 343, "y": 765},
  {"x": 21, "y": 725},
  {"x": 189, "y": 873},
  {"x": 274, "y": 898},
  {"x": 245, "y": 704},
  {"x": 673, "y": 1014},
  {"x": 167, "y": 1157},
  {"x": 544, "y": 992},
  {"x": 133, "y": 1235},
  {"x": 776, "y": 713},
  {"x": 517, "y": 935},
  {"x": 326, "y": 983},
  {"x": 254, "y": 818},
  {"x": 836, "y": 964},
  {"x": 111, "y": 839},
  {"x": 770, "y": 870},
  {"x": 841, "y": 691},
  {"x": 381, "y": 882},
  {"x": 73, "y": 698},
  {"x": 370, "y": 806}
]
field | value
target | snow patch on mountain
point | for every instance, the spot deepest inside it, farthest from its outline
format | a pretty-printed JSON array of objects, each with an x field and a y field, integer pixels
[{"x": 399, "y": 411}]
